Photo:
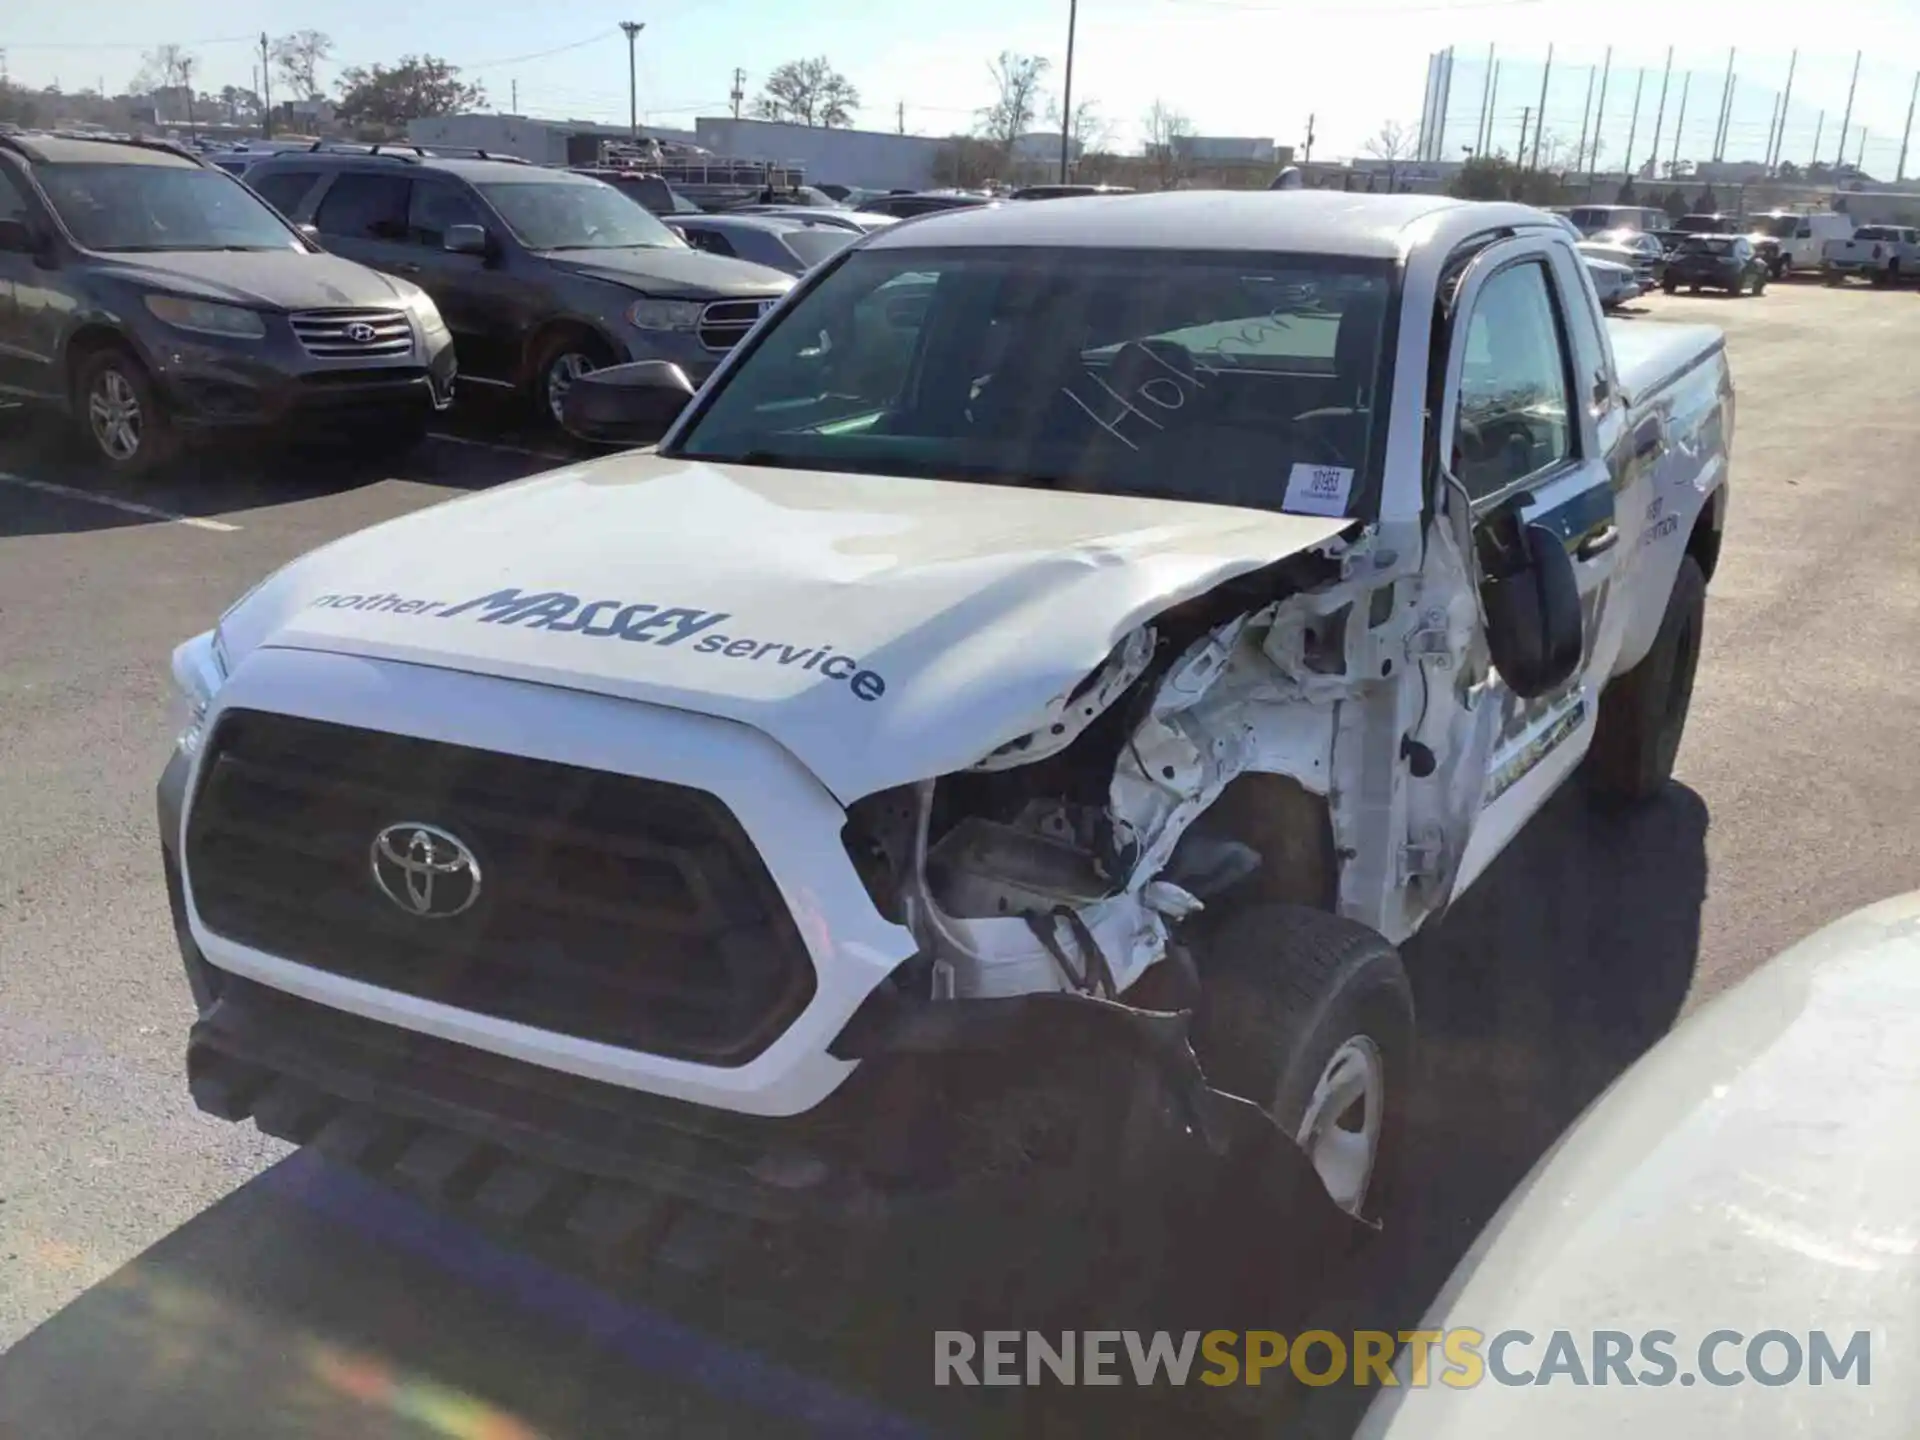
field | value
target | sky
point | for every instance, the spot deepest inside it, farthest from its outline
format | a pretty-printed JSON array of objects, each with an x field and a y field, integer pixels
[{"x": 1233, "y": 67}]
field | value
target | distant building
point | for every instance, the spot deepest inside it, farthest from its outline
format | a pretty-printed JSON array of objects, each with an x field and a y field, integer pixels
[
  {"x": 544, "y": 142},
  {"x": 872, "y": 159},
  {"x": 1229, "y": 150}
]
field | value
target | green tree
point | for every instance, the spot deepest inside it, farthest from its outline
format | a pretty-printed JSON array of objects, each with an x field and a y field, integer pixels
[
  {"x": 808, "y": 92},
  {"x": 387, "y": 97}
]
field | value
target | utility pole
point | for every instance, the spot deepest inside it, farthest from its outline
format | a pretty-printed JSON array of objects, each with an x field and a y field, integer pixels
[
  {"x": 186, "y": 83},
  {"x": 514, "y": 90},
  {"x": 1819, "y": 125},
  {"x": 1633, "y": 125},
  {"x": 1900, "y": 169},
  {"x": 1599, "y": 119},
  {"x": 1066, "y": 102},
  {"x": 1660, "y": 118},
  {"x": 266, "y": 91},
  {"x": 900, "y": 118},
  {"x": 1860, "y": 159},
  {"x": 1773, "y": 124},
  {"x": 1786, "y": 99},
  {"x": 1486, "y": 100},
  {"x": 1840, "y": 158},
  {"x": 1586, "y": 114},
  {"x": 1493, "y": 96},
  {"x": 1306, "y": 156},
  {"x": 1541, "y": 129},
  {"x": 1520, "y": 155},
  {"x": 1679, "y": 124},
  {"x": 1718, "y": 149},
  {"x": 632, "y": 30},
  {"x": 739, "y": 91}
]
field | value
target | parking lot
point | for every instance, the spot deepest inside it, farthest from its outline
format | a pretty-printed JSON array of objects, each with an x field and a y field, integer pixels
[{"x": 166, "y": 1273}]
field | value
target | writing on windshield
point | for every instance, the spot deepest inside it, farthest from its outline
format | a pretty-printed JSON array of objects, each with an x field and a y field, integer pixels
[{"x": 1191, "y": 376}]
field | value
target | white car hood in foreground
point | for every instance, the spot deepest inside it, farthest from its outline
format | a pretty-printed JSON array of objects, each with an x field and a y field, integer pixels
[
  {"x": 899, "y": 628},
  {"x": 1757, "y": 1170}
]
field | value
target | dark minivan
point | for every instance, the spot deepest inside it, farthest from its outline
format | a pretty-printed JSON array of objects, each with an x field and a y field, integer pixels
[
  {"x": 148, "y": 295},
  {"x": 542, "y": 274}
]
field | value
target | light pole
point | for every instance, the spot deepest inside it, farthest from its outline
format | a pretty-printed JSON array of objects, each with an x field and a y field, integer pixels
[
  {"x": 1066, "y": 103},
  {"x": 633, "y": 29}
]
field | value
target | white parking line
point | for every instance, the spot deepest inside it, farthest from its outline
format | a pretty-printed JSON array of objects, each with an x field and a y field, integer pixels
[
  {"x": 132, "y": 507},
  {"x": 503, "y": 449}
]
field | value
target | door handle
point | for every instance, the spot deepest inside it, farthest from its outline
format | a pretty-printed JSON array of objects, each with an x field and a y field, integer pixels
[
  {"x": 1598, "y": 543},
  {"x": 1646, "y": 440}
]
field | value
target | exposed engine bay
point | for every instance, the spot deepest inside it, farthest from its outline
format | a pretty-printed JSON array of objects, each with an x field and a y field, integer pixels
[{"x": 1196, "y": 761}]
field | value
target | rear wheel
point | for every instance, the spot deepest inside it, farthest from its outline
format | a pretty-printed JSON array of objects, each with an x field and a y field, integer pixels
[
  {"x": 1670, "y": 286},
  {"x": 122, "y": 420},
  {"x": 1310, "y": 1016},
  {"x": 1760, "y": 283},
  {"x": 1643, "y": 714}
]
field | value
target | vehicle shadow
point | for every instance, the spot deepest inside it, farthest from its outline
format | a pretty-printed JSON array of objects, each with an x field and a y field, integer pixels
[{"x": 315, "y": 1302}]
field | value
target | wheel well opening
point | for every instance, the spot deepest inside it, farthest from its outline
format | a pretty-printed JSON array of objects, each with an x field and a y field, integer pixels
[
  {"x": 89, "y": 340},
  {"x": 1291, "y": 828},
  {"x": 553, "y": 330},
  {"x": 1703, "y": 544}
]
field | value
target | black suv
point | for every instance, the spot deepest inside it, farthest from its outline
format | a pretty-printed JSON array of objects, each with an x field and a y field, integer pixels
[
  {"x": 542, "y": 274},
  {"x": 147, "y": 293}
]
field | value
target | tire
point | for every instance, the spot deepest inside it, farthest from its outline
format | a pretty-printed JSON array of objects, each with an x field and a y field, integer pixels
[
  {"x": 1292, "y": 998},
  {"x": 121, "y": 420},
  {"x": 1672, "y": 287},
  {"x": 1739, "y": 284},
  {"x": 1783, "y": 267},
  {"x": 1643, "y": 713},
  {"x": 574, "y": 351},
  {"x": 1760, "y": 283}
]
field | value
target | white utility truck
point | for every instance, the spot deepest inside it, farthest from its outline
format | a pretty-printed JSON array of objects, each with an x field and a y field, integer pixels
[{"x": 1063, "y": 645}]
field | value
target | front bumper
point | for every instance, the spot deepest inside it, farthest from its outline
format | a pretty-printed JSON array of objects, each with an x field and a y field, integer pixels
[{"x": 235, "y": 386}]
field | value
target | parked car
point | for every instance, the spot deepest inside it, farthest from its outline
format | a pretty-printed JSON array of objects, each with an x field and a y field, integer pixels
[
  {"x": 1765, "y": 244},
  {"x": 1592, "y": 219},
  {"x": 860, "y": 222},
  {"x": 543, "y": 275},
  {"x": 650, "y": 190},
  {"x": 1635, "y": 248},
  {"x": 1718, "y": 262},
  {"x": 152, "y": 297},
  {"x": 1802, "y": 237},
  {"x": 1061, "y": 192},
  {"x": 1884, "y": 254},
  {"x": 905, "y": 207},
  {"x": 907, "y": 908},
  {"x": 1721, "y": 1194},
  {"x": 1615, "y": 283},
  {"x": 771, "y": 240}
]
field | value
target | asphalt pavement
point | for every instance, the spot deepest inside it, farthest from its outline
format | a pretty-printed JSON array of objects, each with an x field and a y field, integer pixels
[{"x": 163, "y": 1273}]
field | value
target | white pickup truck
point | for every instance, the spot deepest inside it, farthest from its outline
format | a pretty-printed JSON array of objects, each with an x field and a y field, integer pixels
[
  {"x": 1884, "y": 254},
  {"x": 1060, "y": 653}
]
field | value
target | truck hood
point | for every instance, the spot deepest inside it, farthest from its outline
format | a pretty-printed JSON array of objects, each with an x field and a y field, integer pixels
[
  {"x": 882, "y": 629},
  {"x": 263, "y": 279},
  {"x": 675, "y": 273}
]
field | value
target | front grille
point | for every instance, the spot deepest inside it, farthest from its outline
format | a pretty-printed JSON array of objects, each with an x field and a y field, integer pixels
[
  {"x": 353, "y": 334},
  {"x": 725, "y": 322},
  {"x": 627, "y": 911}
]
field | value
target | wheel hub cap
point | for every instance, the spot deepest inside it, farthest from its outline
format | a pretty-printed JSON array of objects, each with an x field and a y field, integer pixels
[
  {"x": 567, "y": 369},
  {"x": 113, "y": 410},
  {"x": 1340, "y": 1130}
]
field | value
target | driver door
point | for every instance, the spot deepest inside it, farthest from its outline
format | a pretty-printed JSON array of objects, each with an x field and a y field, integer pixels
[{"x": 1526, "y": 423}]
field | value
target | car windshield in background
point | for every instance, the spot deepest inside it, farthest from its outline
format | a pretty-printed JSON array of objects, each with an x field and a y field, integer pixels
[
  {"x": 1189, "y": 376},
  {"x": 1708, "y": 245},
  {"x": 1780, "y": 227},
  {"x": 161, "y": 207},
  {"x": 814, "y": 243},
  {"x": 1874, "y": 232},
  {"x": 550, "y": 215},
  {"x": 1627, "y": 238}
]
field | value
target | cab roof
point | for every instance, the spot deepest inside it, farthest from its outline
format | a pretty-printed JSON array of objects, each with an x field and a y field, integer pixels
[
  {"x": 1322, "y": 222},
  {"x": 84, "y": 150}
]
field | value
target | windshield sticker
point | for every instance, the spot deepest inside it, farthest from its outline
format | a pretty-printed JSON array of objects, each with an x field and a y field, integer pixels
[
  {"x": 1318, "y": 490},
  {"x": 556, "y": 611}
]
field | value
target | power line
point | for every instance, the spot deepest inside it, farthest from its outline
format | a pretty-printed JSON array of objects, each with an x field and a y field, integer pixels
[{"x": 592, "y": 39}]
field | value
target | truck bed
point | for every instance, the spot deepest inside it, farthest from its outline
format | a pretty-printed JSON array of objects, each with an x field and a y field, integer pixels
[{"x": 1652, "y": 356}]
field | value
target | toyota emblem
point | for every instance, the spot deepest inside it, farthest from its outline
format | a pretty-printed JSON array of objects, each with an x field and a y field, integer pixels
[
  {"x": 425, "y": 871},
  {"x": 361, "y": 333}
]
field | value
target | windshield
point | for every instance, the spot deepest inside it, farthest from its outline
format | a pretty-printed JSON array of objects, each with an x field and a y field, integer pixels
[
  {"x": 560, "y": 215},
  {"x": 1703, "y": 245},
  {"x": 1873, "y": 232},
  {"x": 1630, "y": 239},
  {"x": 1780, "y": 227},
  {"x": 1206, "y": 377},
  {"x": 814, "y": 243},
  {"x": 161, "y": 207},
  {"x": 1700, "y": 224}
]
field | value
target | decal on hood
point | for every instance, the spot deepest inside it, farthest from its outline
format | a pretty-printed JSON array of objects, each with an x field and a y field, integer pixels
[{"x": 559, "y": 612}]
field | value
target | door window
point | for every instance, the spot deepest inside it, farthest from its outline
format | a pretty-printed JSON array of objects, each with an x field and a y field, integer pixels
[
  {"x": 13, "y": 203},
  {"x": 436, "y": 207},
  {"x": 711, "y": 241},
  {"x": 1514, "y": 411},
  {"x": 285, "y": 190},
  {"x": 365, "y": 207}
]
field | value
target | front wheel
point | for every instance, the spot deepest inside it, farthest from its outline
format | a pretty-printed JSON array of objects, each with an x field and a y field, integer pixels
[
  {"x": 1643, "y": 713},
  {"x": 1310, "y": 1016},
  {"x": 123, "y": 422},
  {"x": 1672, "y": 287},
  {"x": 558, "y": 364},
  {"x": 1760, "y": 283}
]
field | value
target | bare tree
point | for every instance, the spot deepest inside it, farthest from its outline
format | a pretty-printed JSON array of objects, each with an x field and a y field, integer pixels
[
  {"x": 1019, "y": 102},
  {"x": 808, "y": 92},
  {"x": 1393, "y": 142},
  {"x": 298, "y": 58},
  {"x": 1089, "y": 130},
  {"x": 1164, "y": 128},
  {"x": 163, "y": 67}
]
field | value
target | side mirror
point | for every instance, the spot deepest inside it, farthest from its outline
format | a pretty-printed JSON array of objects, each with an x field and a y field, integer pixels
[
  {"x": 19, "y": 237},
  {"x": 626, "y": 404},
  {"x": 467, "y": 240},
  {"x": 1534, "y": 632}
]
